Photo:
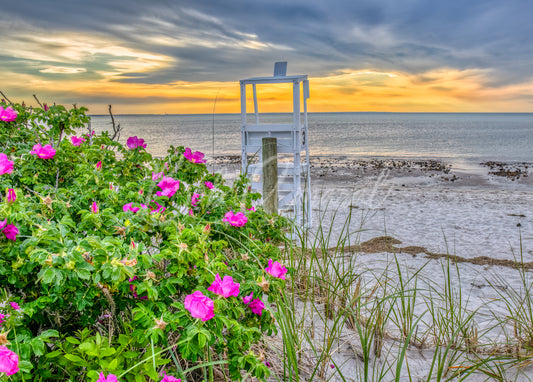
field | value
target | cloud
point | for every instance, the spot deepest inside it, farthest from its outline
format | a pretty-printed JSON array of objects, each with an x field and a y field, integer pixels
[
  {"x": 155, "y": 43},
  {"x": 62, "y": 70}
]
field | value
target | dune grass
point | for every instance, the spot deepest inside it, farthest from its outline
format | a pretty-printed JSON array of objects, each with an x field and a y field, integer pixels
[{"x": 343, "y": 319}]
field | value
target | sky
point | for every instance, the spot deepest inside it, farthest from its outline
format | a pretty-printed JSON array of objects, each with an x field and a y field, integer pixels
[{"x": 186, "y": 57}]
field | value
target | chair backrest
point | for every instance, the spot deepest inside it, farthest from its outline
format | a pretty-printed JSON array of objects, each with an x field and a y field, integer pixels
[{"x": 280, "y": 69}]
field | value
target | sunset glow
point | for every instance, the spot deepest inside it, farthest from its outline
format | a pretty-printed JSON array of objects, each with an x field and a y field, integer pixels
[{"x": 181, "y": 60}]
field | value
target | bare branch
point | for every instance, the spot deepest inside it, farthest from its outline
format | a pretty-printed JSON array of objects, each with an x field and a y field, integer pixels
[
  {"x": 116, "y": 128},
  {"x": 57, "y": 179},
  {"x": 37, "y": 99},
  {"x": 5, "y": 97}
]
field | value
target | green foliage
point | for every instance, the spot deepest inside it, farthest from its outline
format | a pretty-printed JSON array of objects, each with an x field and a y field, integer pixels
[{"x": 103, "y": 291}]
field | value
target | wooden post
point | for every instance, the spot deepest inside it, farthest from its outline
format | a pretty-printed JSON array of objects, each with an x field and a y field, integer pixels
[{"x": 270, "y": 175}]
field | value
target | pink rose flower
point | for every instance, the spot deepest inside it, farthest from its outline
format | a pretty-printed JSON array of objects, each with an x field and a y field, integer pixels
[
  {"x": 45, "y": 107},
  {"x": 200, "y": 306},
  {"x": 195, "y": 198},
  {"x": 10, "y": 231},
  {"x": 236, "y": 220},
  {"x": 252, "y": 208},
  {"x": 196, "y": 157},
  {"x": 275, "y": 269},
  {"x": 169, "y": 186},
  {"x": 76, "y": 141},
  {"x": 43, "y": 152},
  {"x": 6, "y": 166},
  {"x": 257, "y": 306},
  {"x": 99, "y": 165},
  {"x": 109, "y": 378},
  {"x": 129, "y": 207},
  {"x": 11, "y": 196},
  {"x": 94, "y": 208},
  {"x": 209, "y": 185},
  {"x": 225, "y": 287},
  {"x": 157, "y": 175},
  {"x": 134, "y": 142},
  {"x": 14, "y": 305},
  {"x": 169, "y": 378},
  {"x": 9, "y": 361},
  {"x": 248, "y": 299},
  {"x": 8, "y": 114}
]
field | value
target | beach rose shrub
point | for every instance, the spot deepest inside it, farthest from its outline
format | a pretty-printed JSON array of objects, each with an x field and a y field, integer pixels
[{"x": 104, "y": 269}]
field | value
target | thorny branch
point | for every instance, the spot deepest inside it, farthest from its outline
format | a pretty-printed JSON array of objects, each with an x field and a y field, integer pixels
[{"x": 116, "y": 128}]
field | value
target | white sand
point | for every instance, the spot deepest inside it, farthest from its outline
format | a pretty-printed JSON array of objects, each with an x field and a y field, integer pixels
[{"x": 466, "y": 220}]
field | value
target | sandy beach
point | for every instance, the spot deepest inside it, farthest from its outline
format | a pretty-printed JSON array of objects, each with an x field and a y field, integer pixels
[
  {"x": 486, "y": 211},
  {"x": 481, "y": 220}
]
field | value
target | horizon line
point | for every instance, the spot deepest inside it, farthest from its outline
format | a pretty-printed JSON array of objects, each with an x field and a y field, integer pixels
[{"x": 325, "y": 112}]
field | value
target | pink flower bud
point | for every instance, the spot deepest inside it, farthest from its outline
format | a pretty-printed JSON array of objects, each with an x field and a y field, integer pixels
[{"x": 11, "y": 195}]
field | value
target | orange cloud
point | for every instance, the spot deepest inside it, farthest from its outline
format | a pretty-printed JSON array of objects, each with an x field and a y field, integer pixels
[{"x": 442, "y": 90}]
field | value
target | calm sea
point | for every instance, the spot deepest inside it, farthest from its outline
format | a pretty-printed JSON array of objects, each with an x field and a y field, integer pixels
[{"x": 462, "y": 139}]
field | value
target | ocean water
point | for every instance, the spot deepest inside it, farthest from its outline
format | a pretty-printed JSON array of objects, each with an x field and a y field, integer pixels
[{"x": 462, "y": 139}]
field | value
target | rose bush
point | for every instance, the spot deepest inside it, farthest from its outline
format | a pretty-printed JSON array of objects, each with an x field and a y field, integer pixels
[{"x": 107, "y": 252}]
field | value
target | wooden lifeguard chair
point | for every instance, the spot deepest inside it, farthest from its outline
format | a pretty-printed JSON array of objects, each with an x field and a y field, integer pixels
[{"x": 294, "y": 179}]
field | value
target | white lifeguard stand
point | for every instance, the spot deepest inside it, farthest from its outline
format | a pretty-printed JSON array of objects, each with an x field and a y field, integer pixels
[{"x": 294, "y": 180}]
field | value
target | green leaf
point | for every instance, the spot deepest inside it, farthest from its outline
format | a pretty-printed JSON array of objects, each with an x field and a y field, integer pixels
[
  {"x": 83, "y": 274},
  {"x": 54, "y": 354},
  {"x": 201, "y": 340},
  {"x": 89, "y": 348},
  {"x": 73, "y": 340},
  {"x": 131, "y": 354},
  {"x": 74, "y": 358},
  {"x": 113, "y": 364},
  {"x": 48, "y": 276},
  {"x": 106, "y": 352},
  {"x": 38, "y": 347},
  {"x": 49, "y": 333},
  {"x": 25, "y": 366}
]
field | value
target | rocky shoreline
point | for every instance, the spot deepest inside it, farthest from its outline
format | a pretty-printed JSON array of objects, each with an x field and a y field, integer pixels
[{"x": 342, "y": 168}]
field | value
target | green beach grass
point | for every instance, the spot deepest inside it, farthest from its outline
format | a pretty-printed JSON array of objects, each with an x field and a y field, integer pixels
[{"x": 341, "y": 319}]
